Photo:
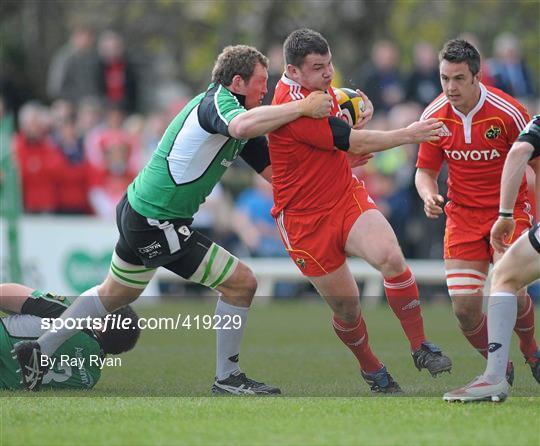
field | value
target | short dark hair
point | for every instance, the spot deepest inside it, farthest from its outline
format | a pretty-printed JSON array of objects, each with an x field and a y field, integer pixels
[
  {"x": 237, "y": 59},
  {"x": 301, "y": 43},
  {"x": 116, "y": 340},
  {"x": 459, "y": 50}
]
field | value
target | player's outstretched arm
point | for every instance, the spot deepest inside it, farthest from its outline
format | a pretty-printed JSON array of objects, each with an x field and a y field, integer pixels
[
  {"x": 513, "y": 171},
  {"x": 13, "y": 296},
  {"x": 368, "y": 141},
  {"x": 261, "y": 120},
  {"x": 425, "y": 181}
]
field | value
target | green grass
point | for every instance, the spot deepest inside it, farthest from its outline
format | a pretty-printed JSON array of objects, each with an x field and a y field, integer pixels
[{"x": 158, "y": 396}]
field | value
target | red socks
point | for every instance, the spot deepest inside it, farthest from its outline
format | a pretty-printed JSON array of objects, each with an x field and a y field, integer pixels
[
  {"x": 479, "y": 337},
  {"x": 525, "y": 330},
  {"x": 355, "y": 336},
  {"x": 402, "y": 295}
]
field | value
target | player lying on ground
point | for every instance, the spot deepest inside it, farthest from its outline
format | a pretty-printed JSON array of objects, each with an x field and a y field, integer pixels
[
  {"x": 519, "y": 266},
  {"x": 324, "y": 213},
  {"x": 78, "y": 361},
  {"x": 480, "y": 125},
  {"x": 154, "y": 218}
]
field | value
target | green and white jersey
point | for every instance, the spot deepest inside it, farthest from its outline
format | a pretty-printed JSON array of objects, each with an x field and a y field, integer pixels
[
  {"x": 21, "y": 327},
  {"x": 531, "y": 134},
  {"x": 190, "y": 159}
]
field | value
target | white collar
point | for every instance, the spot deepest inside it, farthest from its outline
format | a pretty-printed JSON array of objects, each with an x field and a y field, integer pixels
[
  {"x": 467, "y": 120},
  {"x": 288, "y": 81},
  {"x": 478, "y": 106}
]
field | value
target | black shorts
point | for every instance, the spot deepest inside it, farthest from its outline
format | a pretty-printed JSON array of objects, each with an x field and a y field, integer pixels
[
  {"x": 153, "y": 243},
  {"x": 534, "y": 234}
]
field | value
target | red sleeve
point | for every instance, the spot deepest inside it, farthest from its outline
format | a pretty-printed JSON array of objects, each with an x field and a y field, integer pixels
[
  {"x": 314, "y": 132},
  {"x": 430, "y": 156}
]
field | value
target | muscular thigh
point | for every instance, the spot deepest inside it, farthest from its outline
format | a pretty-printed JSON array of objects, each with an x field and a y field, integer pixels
[
  {"x": 520, "y": 265},
  {"x": 372, "y": 238}
]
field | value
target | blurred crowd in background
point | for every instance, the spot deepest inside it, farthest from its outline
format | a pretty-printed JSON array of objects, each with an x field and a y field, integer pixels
[{"x": 77, "y": 151}]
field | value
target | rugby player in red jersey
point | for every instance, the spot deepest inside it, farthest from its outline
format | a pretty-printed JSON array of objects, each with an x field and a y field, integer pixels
[
  {"x": 480, "y": 125},
  {"x": 324, "y": 213},
  {"x": 518, "y": 266}
]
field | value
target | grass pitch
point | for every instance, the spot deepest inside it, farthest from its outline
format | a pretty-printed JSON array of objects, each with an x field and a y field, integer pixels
[{"x": 160, "y": 393}]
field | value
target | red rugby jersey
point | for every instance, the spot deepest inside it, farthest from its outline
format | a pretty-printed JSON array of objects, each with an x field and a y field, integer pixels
[
  {"x": 308, "y": 173},
  {"x": 475, "y": 146}
]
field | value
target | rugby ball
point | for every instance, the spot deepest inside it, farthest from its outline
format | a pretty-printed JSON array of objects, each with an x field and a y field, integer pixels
[{"x": 350, "y": 103}]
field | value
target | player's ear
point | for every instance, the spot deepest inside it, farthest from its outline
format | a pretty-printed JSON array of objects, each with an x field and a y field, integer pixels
[
  {"x": 237, "y": 84},
  {"x": 292, "y": 71}
]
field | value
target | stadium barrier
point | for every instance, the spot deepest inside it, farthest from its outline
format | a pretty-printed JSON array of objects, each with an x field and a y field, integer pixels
[{"x": 270, "y": 271}]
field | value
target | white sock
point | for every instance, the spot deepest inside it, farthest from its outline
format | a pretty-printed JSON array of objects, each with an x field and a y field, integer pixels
[
  {"x": 501, "y": 319},
  {"x": 88, "y": 304},
  {"x": 228, "y": 341}
]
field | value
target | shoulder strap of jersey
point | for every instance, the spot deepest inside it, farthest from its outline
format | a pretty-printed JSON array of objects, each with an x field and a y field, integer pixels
[{"x": 217, "y": 109}]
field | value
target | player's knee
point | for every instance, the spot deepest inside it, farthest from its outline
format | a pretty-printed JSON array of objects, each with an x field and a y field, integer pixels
[
  {"x": 114, "y": 294},
  {"x": 346, "y": 310},
  {"x": 502, "y": 280},
  {"x": 468, "y": 316},
  {"x": 392, "y": 263},
  {"x": 244, "y": 281},
  {"x": 249, "y": 283}
]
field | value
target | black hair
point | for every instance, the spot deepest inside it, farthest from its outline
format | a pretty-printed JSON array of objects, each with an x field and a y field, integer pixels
[
  {"x": 302, "y": 43},
  {"x": 459, "y": 50}
]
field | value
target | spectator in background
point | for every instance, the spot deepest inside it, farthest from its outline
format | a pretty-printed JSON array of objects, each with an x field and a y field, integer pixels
[
  {"x": 60, "y": 111},
  {"x": 115, "y": 160},
  {"x": 154, "y": 127},
  {"x": 118, "y": 83},
  {"x": 111, "y": 132},
  {"x": 109, "y": 181},
  {"x": 508, "y": 67},
  {"x": 73, "y": 73},
  {"x": 254, "y": 225},
  {"x": 253, "y": 221},
  {"x": 74, "y": 178},
  {"x": 382, "y": 82},
  {"x": 423, "y": 85},
  {"x": 38, "y": 158},
  {"x": 89, "y": 115}
]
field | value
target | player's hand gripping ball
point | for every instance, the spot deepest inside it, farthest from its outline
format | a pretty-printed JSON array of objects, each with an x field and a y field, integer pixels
[{"x": 351, "y": 104}]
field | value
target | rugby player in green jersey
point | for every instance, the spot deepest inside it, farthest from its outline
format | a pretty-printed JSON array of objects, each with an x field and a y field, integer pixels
[
  {"x": 154, "y": 218},
  {"x": 78, "y": 362}
]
